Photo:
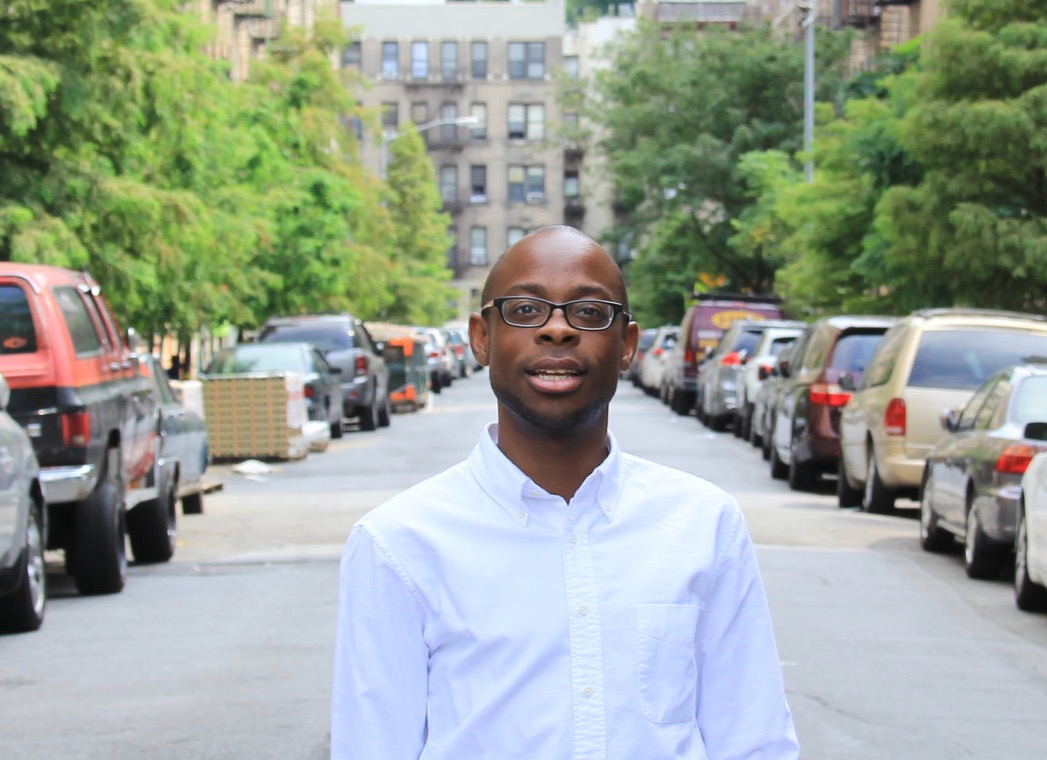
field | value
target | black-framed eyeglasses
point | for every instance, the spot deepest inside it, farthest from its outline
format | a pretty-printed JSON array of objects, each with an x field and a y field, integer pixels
[{"x": 530, "y": 311}]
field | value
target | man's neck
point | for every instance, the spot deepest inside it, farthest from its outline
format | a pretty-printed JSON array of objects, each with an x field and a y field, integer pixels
[{"x": 557, "y": 463}]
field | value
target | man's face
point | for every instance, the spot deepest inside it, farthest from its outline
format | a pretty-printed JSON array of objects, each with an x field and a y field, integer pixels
[{"x": 554, "y": 378}]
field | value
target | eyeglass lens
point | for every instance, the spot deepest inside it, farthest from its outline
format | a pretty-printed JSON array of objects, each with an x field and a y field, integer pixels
[{"x": 584, "y": 315}]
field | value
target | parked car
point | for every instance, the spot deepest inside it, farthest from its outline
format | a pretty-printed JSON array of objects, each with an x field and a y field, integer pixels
[
  {"x": 971, "y": 485},
  {"x": 653, "y": 364},
  {"x": 321, "y": 381},
  {"x": 461, "y": 326},
  {"x": 346, "y": 344},
  {"x": 441, "y": 360},
  {"x": 805, "y": 441},
  {"x": 183, "y": 441},
  {"x": 23, "y": 512},
  {"x": 718, "y": 381},
  {"x": 463, "y": 354},
  {"x": 1030, "y": 545},
  {"x": 703, "y": 324},
  {"x": 757, "y": 366},
  {"x": 646, "y": 339},
  {"x": 930, "y": 361},
  {"x": 766, "y": 400},
  {"x": 86, "y": 404}
]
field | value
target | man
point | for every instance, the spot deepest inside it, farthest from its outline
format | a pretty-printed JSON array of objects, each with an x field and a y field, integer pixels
[{"x": 552, "y": 597}]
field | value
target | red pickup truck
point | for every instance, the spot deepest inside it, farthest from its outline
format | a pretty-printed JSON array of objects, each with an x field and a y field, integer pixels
[{"x": 78, "y": 389}]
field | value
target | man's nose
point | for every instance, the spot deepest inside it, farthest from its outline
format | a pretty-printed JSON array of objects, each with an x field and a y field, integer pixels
[{"x": 557, "y": 328}]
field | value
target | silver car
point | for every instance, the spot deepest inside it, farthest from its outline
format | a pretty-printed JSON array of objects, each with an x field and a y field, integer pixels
[{"x": 23, "y": 527}]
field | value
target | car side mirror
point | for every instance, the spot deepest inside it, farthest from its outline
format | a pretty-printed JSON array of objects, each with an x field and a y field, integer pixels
[
  {"x": 134, "y": 341},
  {"x": 784, "y": 369},
  {"x": 5, "y": 393},
  {"x": 764, "y": 372},
  {"x": 379, "y": 346},
  {"x": 847, "y": 382},
  {"x": 1036, "y": 431},
  {"x": 950, "y": 420}
]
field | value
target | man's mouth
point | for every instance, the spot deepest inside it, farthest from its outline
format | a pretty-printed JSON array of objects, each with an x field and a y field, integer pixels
[{"x": 552, "y": 375}]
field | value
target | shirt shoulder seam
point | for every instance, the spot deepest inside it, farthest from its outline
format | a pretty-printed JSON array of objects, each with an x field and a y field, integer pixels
[{"x": 398, "y": 568}]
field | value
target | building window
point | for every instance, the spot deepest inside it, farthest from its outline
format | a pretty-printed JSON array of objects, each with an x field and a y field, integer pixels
[
  {"x": 351, "y": 55},
  {"x": 478, "y": 183},
  {"x": 526, "y": 122},
  {"x": 449, "y": 183},
  {"x": 526, "y": 60},
  {"x": 419, "y": 60},
  {"x": 571, "y": 186},
  {"x": 390, "y": 116},
  {"x": 479, "y": 130},
  {"x": 526, "y": 184},
  {"x": 390, "y": 60},
  {"x": 513, "y": 235},
  {"x": 570, "y": 66},
  {"x": 478, "y": 54},
  {"x": 448, "y": 129},
  {"x": 419, "y": 112},
  {"x": 478, "y": 246},
  {"x": 452, "y": 248},
  {"x": 449, "y": 60}
]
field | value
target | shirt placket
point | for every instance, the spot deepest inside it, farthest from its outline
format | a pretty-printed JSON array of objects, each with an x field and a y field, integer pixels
[{"x": 586, "y": 643}]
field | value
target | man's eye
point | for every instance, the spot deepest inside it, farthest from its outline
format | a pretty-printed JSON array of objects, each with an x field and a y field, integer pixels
[
  {"x": 588, "y": 310},
  {"x": 522, "y": 309}
]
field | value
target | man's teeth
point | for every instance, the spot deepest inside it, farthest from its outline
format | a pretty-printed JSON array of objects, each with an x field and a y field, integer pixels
[{"x": 553, "y": 374}]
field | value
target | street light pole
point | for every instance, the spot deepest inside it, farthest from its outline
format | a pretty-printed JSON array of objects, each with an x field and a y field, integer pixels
[
  {"x": 807, "y": 18},
  {"x": 391, "y": 134}
]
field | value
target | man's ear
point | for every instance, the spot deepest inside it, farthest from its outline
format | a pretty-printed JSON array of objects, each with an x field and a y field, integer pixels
[
  {"x": 478, "y": 339},
  {"x": 629, "y": 344}
]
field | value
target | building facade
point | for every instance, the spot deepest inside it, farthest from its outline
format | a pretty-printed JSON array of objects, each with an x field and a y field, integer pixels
[{"x": 479, "y": 81}]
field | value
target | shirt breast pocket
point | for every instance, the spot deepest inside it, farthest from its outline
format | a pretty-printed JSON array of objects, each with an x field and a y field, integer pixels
[{"x": 667, "y": 664}]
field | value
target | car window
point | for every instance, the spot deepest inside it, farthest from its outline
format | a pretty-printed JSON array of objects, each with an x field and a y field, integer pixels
[
  {"x": 363, "y": 338},
  {"x": 326, "y": 337},
  {"x": 974, "y": 405},
  {"x": 815, "y": 351},
  {"x": 963, "y": 359},
  {"x": 646, "y": 339},
  {"x": 881, "y": 363},
  {"x": 74, "y": 312},
  {"x": 257, "y": 358},
  {"x": 17, "y": 333},
  {"x": 778, "y": 345},
  {"x": 108, "y": 333},
  {"x": 747, "y": 340},
  {"x": 992, "y": 410},
  {"x": 852, "y": 351},
  {"x": 1030, "y": 400}
]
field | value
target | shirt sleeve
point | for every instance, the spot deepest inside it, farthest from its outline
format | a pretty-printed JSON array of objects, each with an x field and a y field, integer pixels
[
  {"x": 380, "y": 685},
  {"x": 742, "y": 710}
]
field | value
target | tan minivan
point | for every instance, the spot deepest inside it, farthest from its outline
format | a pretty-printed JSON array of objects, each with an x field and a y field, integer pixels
[{"x": 929, "y": 362}]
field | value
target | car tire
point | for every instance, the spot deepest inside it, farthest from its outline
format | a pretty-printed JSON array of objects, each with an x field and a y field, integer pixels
[
  {"x": 767, "y": 444},
  {"x": 1029, "y": 595},
  {"x": 779, "y": 469},
  {"x": 336, "y": 428},
  {"x": 385, "y": 414},
  {"x": 746, "y": 415},
  {"x": 932, "y": 537},
  {"x": 369, "y": 416},
  {"x": 23, "y": 610},
  {"x": 846, "y": 494},
  {"x": 99, "y": 561},
  {"x": 877, "y": 498},
  {"x": 151, "y": 527},
  {"x": 981, "y": 559},
  {"x": 193, "y": 504},
  {"x": 802, "y": 475}
]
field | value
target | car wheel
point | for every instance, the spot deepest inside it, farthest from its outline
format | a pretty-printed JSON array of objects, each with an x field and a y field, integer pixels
[
  {"x": 877, "y": 498},
  {"x": 385, "y": 413},
  {"x": 151, "y": 527},
  {"x": 434, "y": 382},
  {"x": 779, "y": 469},
  {"x": 846, "y": 494},
  {"x": 23, "y": 611},
  {"x": 981, "y": 559},
  {"x": 99, "y": 561},
  {"x": 1029, "y": 595},
  {"x": 767, "y": 444},
  {"x": 193, "y": 504},
  {"x": 746, "y": 415},
  {"x": 932, "y": 537},
  {"x": 369, "y": 416},
  {"x": 802, "y": 475},
  {"x": 336, "y": 427}
]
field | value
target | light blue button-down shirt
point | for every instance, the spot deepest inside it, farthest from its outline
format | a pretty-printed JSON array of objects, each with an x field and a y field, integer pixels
[{"x": 482, "y": 618}]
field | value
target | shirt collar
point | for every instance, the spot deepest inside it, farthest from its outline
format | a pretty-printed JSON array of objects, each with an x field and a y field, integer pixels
[{"x": 514, "y": 491}]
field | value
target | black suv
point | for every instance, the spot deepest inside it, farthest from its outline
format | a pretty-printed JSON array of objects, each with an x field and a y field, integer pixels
[{"x": 346, "y": 344}]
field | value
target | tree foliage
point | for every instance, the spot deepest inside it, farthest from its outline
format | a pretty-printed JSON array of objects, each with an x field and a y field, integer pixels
[{"x": 194, "y": 199}]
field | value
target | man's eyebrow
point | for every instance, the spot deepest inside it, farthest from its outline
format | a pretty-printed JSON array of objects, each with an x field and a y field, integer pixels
[{"x": 537, "y": 289}]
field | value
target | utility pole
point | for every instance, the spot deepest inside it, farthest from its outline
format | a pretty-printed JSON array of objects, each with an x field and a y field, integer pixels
[{"x": 807, "y": 19}]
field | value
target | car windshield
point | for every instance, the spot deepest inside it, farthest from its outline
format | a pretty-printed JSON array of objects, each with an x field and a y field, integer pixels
[
  {"x": 326, "y": 338},
  {"x": 853, "y": 350},
  {"x": 964, "y": 359},
  {"x": 256, "y": 357},
  {"x": 646, "y": 339}
]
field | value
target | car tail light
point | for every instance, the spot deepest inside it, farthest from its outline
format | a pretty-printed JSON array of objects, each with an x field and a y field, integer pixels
[
  {"x": 829, "y": 394},
  {"x": 434, "y": 354},
  {"x": 688, "y": 356},
  {"x": 360, "y": 365},
  {"x": 309, "y": 391},
  {"x": 1015, "y": 459},
  {"x": 894, "y": 417},
  {"x": 733, "y": 359},
  {"x": 657, "y": 352},
  {"x": 458, "y": 351},
  {"x": 766, "y": 369},
  {"x": 76, "y": 428}
]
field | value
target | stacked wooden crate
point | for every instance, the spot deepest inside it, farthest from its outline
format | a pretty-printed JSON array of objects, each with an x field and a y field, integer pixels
[{"x": 259, "y": 416}]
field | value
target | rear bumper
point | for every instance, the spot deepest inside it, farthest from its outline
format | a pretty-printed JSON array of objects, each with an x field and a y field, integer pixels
[{"x": 64, "y": 484}]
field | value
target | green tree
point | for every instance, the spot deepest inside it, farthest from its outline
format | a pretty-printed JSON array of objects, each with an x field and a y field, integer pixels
[
  {"x": 679, "y": 111},
  {"x": 973, "y": 230},
  {"x": 420, "y": 294}
]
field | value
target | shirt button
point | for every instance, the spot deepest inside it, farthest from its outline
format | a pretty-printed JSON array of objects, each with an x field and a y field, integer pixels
[
  {"x": 587, "y": 691},
  {"x": 522, "y": 514},
  {"x": 572, "y": 539},
  {"x": 583, "y": 610},
  {"x": 535, "y": 492}
]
